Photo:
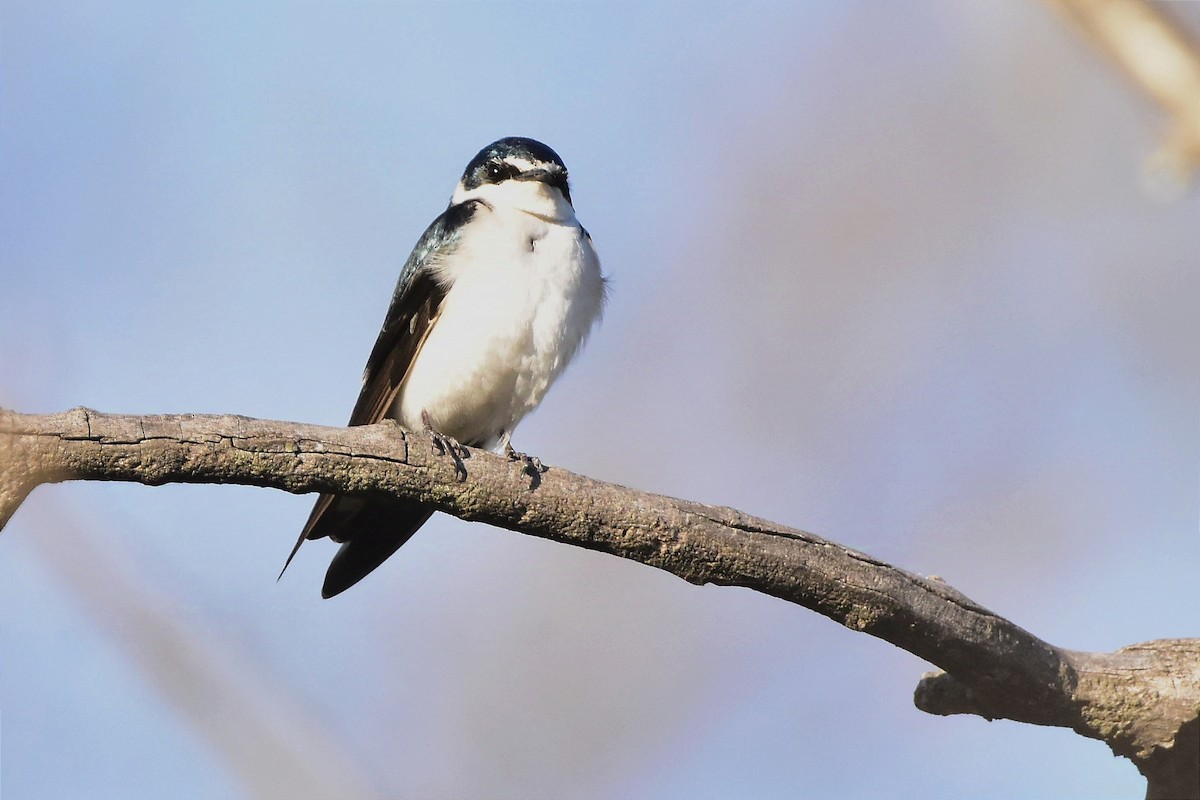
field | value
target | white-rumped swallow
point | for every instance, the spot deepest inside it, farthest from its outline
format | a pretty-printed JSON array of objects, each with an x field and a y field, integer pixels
[{"x": 495, "y": 300}]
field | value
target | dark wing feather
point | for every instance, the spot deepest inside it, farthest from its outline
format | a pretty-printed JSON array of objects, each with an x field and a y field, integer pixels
[
  {"x": 381, "y": 527},
  {"x": 370, "y": 529}
]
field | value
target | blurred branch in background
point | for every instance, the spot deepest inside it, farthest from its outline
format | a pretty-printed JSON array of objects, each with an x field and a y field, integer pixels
[
  {"x": 270, "y": 745},
  {"x": 1164, "y": 61},
  {"x": 1143, "y": 701}
]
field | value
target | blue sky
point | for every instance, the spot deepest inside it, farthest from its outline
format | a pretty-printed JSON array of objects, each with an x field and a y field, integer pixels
[{"x": 886, "y": 274}]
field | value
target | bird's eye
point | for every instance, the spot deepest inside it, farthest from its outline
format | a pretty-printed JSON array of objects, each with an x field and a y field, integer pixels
[{"x": 496, "y": 171}]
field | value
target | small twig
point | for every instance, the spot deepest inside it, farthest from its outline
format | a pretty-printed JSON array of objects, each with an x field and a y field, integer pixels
[{"x": 1159, "y": 57}]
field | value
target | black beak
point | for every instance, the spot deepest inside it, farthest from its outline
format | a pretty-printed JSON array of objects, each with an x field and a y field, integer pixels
[{"x": 552, "y": 177}]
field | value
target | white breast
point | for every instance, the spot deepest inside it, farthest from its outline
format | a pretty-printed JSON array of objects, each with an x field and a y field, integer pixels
[{"x": 525, "y": 291}]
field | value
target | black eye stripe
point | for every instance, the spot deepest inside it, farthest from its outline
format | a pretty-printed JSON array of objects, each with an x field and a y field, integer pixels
[{"x": 498, "y": 171}]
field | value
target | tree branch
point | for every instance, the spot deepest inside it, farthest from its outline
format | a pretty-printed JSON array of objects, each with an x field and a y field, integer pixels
[
  {"x": 1144, "y": 700},
  {"x": 1160, "y": 57}
]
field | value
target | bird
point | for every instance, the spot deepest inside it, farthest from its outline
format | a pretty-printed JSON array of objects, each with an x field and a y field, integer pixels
[{"x": 499, "y": 294}]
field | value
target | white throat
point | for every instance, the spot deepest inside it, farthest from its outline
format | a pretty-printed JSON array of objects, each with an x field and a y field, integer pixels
[{"x": 533, "y": 197}]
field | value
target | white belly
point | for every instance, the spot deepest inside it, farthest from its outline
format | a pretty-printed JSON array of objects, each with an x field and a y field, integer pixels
[{"x": 524, "y": 294}]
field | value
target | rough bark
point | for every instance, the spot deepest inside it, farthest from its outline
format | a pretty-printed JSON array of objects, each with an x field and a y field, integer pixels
[{"x": 1143, "y": 700}]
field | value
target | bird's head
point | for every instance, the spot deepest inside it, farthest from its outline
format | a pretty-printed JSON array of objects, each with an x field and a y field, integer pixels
[{"x": 519, "y": 173}]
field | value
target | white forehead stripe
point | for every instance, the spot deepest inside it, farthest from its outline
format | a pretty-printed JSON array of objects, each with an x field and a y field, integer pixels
[{"x": 522, "y": 164}]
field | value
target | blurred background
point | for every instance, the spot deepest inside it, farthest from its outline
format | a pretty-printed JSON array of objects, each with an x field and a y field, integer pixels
[{"x": 893, "y": 274}]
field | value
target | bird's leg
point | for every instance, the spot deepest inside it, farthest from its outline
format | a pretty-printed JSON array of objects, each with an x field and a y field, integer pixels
[
  {"x": 447, "y": 445},
  {"x": 533, "y": 464}
]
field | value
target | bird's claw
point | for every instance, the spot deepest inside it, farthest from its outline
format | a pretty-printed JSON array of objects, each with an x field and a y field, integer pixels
[
  {"x": 533, "y": 465},
  {"x": 444, "y": 445}
]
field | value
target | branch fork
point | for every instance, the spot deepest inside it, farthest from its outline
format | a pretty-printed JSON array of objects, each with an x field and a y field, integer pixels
[{"x": 1143, "y": 700}]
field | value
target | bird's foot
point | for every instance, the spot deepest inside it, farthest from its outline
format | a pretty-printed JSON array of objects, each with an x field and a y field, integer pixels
[
  {"x": 444, "y": 445},
  {"x": 533, "y": 465}
]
